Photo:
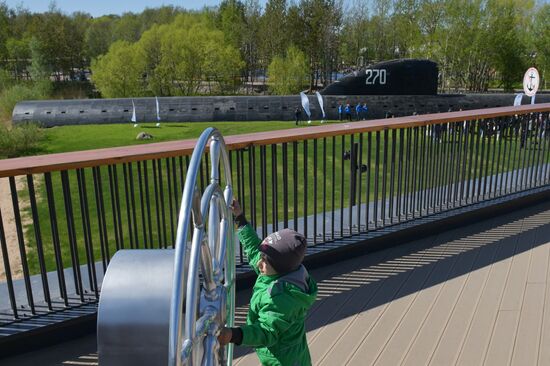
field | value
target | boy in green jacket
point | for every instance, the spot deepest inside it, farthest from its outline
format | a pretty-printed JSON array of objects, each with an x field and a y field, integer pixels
[{"x": 281, "y": 298}]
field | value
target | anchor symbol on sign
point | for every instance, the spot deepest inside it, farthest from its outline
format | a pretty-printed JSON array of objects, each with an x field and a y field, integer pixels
[{"x": 531, "y": 86}]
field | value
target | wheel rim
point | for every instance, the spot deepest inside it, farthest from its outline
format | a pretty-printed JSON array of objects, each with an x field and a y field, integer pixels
[{"x": 192, "y": 337}]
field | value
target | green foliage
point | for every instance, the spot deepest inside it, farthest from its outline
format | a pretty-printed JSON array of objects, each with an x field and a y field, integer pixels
[
  {"x": 20, "y": 140},
  {"x": 172, "y": 59},
  {"x": 39, "y": 68},
  {"x": 231, "y": 21},
  {"x": 506, "y": 46},
  {"x": 541, "y": 37},
  {"x": 273, "y": 30},
  {"x": 19, "y": 92},
  {"x": 288, "y": 75},
  {"x": 58, "y": 35},
  {"x": 99, "y": 36},
  {"x": 128, "y": 28},
  {"x": 4, "y": 29},
  {"x": 18, "y": 51},
  {"x": 476, "y": 43},
  {"x": 5, "y": 80},
  {"x": 119, "y": 72}
]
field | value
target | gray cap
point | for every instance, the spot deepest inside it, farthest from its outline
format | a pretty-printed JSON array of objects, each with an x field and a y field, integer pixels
[{"x": 284, "y": 250}]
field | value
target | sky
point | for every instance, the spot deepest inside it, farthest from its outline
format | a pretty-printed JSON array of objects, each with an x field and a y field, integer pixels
[{"x": 102, "y": 7}]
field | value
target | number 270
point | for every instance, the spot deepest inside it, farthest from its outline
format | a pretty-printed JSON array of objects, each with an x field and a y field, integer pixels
[{"x": 376, "y": 74}]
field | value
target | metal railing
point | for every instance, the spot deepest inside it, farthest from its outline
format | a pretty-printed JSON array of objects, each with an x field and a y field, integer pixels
[{"x": 70, "y": 212}]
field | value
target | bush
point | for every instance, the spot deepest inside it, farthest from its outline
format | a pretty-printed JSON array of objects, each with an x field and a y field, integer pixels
[
  {"x": 5, "y": 80},
  {"x": 20, "y": 140},
  {"x": 16, "y": 93}
]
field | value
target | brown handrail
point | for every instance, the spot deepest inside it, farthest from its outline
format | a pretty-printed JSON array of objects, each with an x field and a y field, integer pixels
[{"x": 125, "y": 154}]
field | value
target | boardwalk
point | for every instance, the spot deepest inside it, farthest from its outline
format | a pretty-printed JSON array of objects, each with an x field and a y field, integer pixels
[{"x": 476, "y": 295}]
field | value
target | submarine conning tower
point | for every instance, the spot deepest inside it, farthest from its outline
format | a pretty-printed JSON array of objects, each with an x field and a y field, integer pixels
[{"x": 395, "y": 77}]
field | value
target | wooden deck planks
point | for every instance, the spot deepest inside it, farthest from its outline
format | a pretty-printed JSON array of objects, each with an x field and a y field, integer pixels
[
  {"x": 544, "y": 349},
  {"x": 528, "y": 333},
  {"x": 478, "y": 337},
  {"x": 430, "y": 332},
  {"x": 374, "y": 342},
  {"x": 347, "y": 342},
  {"x": 396, "y": 348}
]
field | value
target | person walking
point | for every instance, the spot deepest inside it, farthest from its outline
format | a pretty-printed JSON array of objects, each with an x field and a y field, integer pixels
[
  {"x": 348, "y": 112},
  {"x": 297, "y": 115},
  {"x": 358, "y": 109},
  {"x": 364, "y": 110}
]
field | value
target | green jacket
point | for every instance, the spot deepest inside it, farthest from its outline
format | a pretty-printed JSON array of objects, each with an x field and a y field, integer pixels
[{"x": 275, "y": 324}]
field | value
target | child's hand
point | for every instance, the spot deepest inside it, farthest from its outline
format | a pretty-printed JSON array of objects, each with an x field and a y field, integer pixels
[
  {"x": 225, "y": 336},
  {"x": 236, "y": 208}
]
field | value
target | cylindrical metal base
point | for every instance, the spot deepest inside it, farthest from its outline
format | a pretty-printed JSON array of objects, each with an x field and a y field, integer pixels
[{"x": 134, "y": 308}]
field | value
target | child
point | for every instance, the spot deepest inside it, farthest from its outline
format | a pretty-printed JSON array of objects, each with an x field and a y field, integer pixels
[{"x": 282, "y": 296}]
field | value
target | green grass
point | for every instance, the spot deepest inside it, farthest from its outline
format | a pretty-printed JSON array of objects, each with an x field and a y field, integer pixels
[{"x": 86, "y": 137}]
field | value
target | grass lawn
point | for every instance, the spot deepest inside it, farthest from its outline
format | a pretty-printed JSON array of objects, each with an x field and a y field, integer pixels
[{"x": 86, "y": 137}]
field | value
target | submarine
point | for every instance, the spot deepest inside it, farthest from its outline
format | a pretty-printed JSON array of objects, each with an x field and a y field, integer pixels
[{"x": 396, "y": 87}]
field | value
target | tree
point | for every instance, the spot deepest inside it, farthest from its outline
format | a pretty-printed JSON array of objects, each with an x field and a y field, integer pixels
[
  {"x": 273, "y": 31},
  {"x": 354, "y": 47},
  {"x": 161, "y": 15},
  {"x": 191, "y": 51},
  {"x": 289, "y": 74},
  {"x": 119, "y": 73},
  {"x": 316, "y": 23},
  {"x": 251, "y": 39},
  {"x": 185, "y": 57},
  {"x": 150, "y": 45},
  {"x": 231, "y": 21},
  {"x": 4, "y": 30},
  {"x": 60, "y": 40},
  {"x": 506, "y": 44},
  {"x": 541, "y": 41},
  {"x": 40, "y": 68},
  {"x": 127, "y": 28},
  {"x": 19, "y": 52},
  {"x": 99, "y": 36}
]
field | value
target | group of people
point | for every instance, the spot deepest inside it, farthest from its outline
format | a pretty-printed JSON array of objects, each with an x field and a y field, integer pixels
[{"x": 347, "y": 111}]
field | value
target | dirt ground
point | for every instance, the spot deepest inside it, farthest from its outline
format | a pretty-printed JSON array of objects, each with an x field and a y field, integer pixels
[{"x": 10, "y": 230}]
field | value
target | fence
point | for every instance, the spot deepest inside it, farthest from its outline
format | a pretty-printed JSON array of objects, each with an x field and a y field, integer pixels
[{"x": 70, "y": 212}]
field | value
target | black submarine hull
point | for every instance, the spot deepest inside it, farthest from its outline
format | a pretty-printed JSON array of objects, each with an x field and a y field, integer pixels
[
  {"x": 394, "y": 77},
  {"x": 51, "y": 113}
]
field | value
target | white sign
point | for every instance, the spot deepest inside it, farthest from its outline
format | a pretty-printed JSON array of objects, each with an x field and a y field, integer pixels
[{"x": 531, "y": 81}]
